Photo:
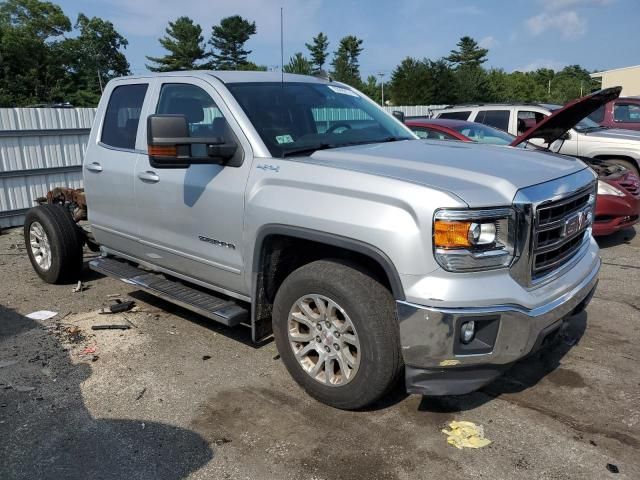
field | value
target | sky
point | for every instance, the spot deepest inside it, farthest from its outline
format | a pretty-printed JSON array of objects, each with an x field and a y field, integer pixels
[{"x": 520, "y": 34}]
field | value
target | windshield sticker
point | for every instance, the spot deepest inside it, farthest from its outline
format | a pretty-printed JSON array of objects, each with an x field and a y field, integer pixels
[
  {"x": 343, "y": 91},
  {"x": 284, "y": 139}
]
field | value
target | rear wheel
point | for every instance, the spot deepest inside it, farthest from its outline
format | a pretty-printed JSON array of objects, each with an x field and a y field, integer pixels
[
  {"x": 623, "y": 163},
  {"x": 337, "y": 334},
  {"x": 53, "y": 243}
]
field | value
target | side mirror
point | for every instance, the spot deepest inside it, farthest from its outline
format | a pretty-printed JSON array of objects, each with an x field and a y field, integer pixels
[
  {"x": 170, "y": 145},
  {"x": 566, "y": 136},
  {"x": 398, "y": 115}
]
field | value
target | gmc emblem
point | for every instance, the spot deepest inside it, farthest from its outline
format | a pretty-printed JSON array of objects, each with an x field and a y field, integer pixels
[{"x": 576, "y": 222}]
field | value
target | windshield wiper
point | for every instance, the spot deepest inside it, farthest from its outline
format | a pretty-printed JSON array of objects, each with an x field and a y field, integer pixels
[{"x": 306, "y": 150}]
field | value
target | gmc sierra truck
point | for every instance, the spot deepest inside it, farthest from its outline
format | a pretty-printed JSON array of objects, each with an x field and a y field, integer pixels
[{"x": 296, "y": 206}]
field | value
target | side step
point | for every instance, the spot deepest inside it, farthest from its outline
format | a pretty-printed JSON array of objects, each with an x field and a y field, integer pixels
[{"x": 222, "y": 310}]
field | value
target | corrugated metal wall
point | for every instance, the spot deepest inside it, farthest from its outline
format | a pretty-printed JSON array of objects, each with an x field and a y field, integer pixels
[
  {"x": 415, "y": 110},
  {"x": 40, "y": 149}
]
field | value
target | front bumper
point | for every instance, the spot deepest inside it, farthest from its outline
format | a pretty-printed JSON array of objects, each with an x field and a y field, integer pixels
[
  {"x": 615, "y": 213},
  {"x": 439, "y": 364}
]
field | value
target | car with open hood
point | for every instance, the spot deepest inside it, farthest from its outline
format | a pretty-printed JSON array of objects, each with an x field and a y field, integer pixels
[
  {"x": 618, "y": 199},
  {"x": 586, "y": 139}
]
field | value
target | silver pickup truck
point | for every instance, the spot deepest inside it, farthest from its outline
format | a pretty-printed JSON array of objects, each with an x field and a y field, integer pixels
[{"x": 294, "y": 205}]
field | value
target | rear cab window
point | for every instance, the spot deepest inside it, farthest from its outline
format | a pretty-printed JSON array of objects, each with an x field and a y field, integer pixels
[
  {"x": 462, "y": 115},
  {"x": 122, "y": 116}
]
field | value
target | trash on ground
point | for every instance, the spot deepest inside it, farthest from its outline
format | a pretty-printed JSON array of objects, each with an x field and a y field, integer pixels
[
  {"x": 75, "y": 334},
  {"x": 613, "y": 468},
  {"x": 206, "y": 357},
  {"x": 41, "y": 315},
  {"x": 118, "y": 306},
  {"x": 21, "y": 388},
  {"x": 141, "y": 393},
  {"x": 112, "y": 326},
  {"x": 466, "y": 435},
  {"x": 88, "y": 351},
  {"x": 78, "y": 288}
]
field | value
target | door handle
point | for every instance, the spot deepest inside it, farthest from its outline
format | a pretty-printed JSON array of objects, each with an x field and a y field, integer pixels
[
  {"x": 93, "y": 167},
  {"x": 149, "y": 177}
]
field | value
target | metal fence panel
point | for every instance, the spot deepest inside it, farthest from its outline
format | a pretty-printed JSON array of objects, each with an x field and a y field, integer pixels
[
  {"x": 415, "y": 110},
  {"x": 40, "y": 149}
]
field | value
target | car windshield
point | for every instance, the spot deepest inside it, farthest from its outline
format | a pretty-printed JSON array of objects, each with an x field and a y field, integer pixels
[
  {"x": 585, "y": 124},
  {"x": 297, "y": 118},
  {"x": 483, "y": 134}
]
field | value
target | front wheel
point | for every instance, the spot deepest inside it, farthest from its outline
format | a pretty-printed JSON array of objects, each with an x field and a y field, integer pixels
[
  {"x": 336, "y": 330},
  {"x": 623, "y": 163}
]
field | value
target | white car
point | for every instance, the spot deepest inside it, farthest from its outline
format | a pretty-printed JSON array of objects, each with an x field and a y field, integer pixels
[{"x": 587, "y": 139}]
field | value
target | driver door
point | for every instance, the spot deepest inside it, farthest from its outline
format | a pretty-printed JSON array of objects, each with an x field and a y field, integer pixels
[{"x": 190, "y": 220}]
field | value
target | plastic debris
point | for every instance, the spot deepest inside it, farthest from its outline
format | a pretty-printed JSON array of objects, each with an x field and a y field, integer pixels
[
  {"x": 466, "y": 435},
  {"x": 41, "y": 315},
  {"x": 88, "y": 351},
  {"x": 118, "y": 306},
  {"x": 78, "y": 288},
  {"x": 613, "y": 468},
  {"x": 111, "y": 327}
]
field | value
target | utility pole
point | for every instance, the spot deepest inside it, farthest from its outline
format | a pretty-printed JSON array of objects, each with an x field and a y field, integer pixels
[{"x": 381, "y": 75}]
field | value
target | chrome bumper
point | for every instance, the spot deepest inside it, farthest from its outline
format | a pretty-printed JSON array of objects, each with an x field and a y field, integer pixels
[{"x": 430, "y": 336}]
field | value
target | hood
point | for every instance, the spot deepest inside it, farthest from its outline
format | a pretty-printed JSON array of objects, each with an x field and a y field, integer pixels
[
  {"x": 481, "y": 175},
  {"x": 555, "y": 125},
  {"x": 613, "y": 135}
]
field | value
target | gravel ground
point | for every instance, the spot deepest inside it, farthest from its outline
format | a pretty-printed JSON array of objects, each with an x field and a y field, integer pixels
[{"x": 178, "y": 397}]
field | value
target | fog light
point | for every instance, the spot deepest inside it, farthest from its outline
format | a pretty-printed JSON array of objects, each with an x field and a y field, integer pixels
[{"x": 467, "y": 331}]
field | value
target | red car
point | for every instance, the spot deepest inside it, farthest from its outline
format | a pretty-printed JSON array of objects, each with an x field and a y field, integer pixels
[
  {"x": 618, "y": 199},
  {"x": 620, "y": 113}
]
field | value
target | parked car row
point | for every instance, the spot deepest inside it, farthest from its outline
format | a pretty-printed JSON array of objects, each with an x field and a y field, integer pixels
[{"x": 618, "y": 199}]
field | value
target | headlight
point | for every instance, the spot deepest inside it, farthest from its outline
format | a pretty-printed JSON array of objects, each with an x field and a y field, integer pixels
[
  {"x": 605, "y": 188},
  {"x": 469, "y": 240}
]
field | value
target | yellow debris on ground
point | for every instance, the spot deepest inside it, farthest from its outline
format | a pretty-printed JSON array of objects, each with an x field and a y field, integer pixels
[{"x": 466, "y": 435}]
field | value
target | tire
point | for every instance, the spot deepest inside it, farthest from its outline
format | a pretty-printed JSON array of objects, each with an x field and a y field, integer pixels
[
  {"x": 623, "y": 163},
  {"x": 51, "y": 226},
  {"x": 360, "y": 371}
]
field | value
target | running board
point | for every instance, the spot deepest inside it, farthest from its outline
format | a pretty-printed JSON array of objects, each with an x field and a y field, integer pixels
[{"x": 220, "y": 309}]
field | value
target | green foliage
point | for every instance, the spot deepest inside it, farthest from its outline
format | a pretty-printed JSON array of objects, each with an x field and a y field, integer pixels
[
  {"x": 228, "y": 40},
  {"x": 345, "y": 61},
  {"x": 299, "y": 64},
  {"x": 318, "y": 50},
  {"x": 469, "y": 54},
  {"x": 422, "y": 82},
  {"x": 29, "y": 36},
  {"x": 184, "y": 43},
  {"x": 372, "y": 89}
]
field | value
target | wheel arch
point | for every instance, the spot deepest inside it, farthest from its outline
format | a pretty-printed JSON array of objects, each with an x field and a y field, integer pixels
[{"x": 273, "y": 239}]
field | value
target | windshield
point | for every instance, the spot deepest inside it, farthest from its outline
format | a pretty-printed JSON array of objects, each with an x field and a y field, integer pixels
[
  {"x": 299, "y": 118},
  {"x": 483, "y": 134},
  {"x": 584, "y": 124}
]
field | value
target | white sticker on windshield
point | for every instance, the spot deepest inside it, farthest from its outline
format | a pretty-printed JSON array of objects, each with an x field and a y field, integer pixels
[
  {"x": 284, "y": 139},
  {"x": 342, "y": 90}
]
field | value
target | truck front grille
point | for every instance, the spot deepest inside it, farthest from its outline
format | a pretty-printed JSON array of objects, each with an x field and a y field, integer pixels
[{"x": 560, "y": 229}]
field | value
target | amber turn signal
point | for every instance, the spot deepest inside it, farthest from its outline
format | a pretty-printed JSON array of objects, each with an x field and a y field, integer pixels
[
  {"x": 163, "y": 151},
  {"x": 450, "y": 234}
]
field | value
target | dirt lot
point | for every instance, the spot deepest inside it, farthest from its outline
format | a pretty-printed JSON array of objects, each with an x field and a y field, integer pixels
[{"x": 178, "y": 397}]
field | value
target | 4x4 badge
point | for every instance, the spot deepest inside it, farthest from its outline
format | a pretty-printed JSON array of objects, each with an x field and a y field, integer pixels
[{"x": 265, "y": 167}]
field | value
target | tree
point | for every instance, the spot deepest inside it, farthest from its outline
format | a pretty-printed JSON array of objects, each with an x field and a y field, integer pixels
[
  {"x": 29, "y": 34},
  {"x": 184, "y": 43},
  {"x": 345, "y": 61},
  {"x": 372, "y": 89},
  {"x": 228, "y": 39},
  {"x": 471, "y": 83},
  {"x": 318, "y": 49},
  {"x": 423, "y": 82},
  {"x": 299, "y": 64},
  {"x": 91, "y": 59},
  {"x": 469, "y": 53}
]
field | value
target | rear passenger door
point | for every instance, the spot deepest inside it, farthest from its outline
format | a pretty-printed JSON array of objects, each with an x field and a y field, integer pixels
[
  {"x": 499, "y": 118},
  {"x": 109, "y": 167}
]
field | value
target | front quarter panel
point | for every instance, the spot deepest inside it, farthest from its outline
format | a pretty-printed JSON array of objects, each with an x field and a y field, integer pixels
[{"x": 393, "y": 216}]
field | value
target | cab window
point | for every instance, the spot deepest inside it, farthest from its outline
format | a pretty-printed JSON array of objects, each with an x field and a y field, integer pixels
[
  {"x": 494, "y": 118},
  {"x": 203, "y": 115},
  {"x": 528, "y": 119},
  {"x": 464, "y": 115},
  {"x": 626, "y": 112},
  {"x": 123, "y": 115}
]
